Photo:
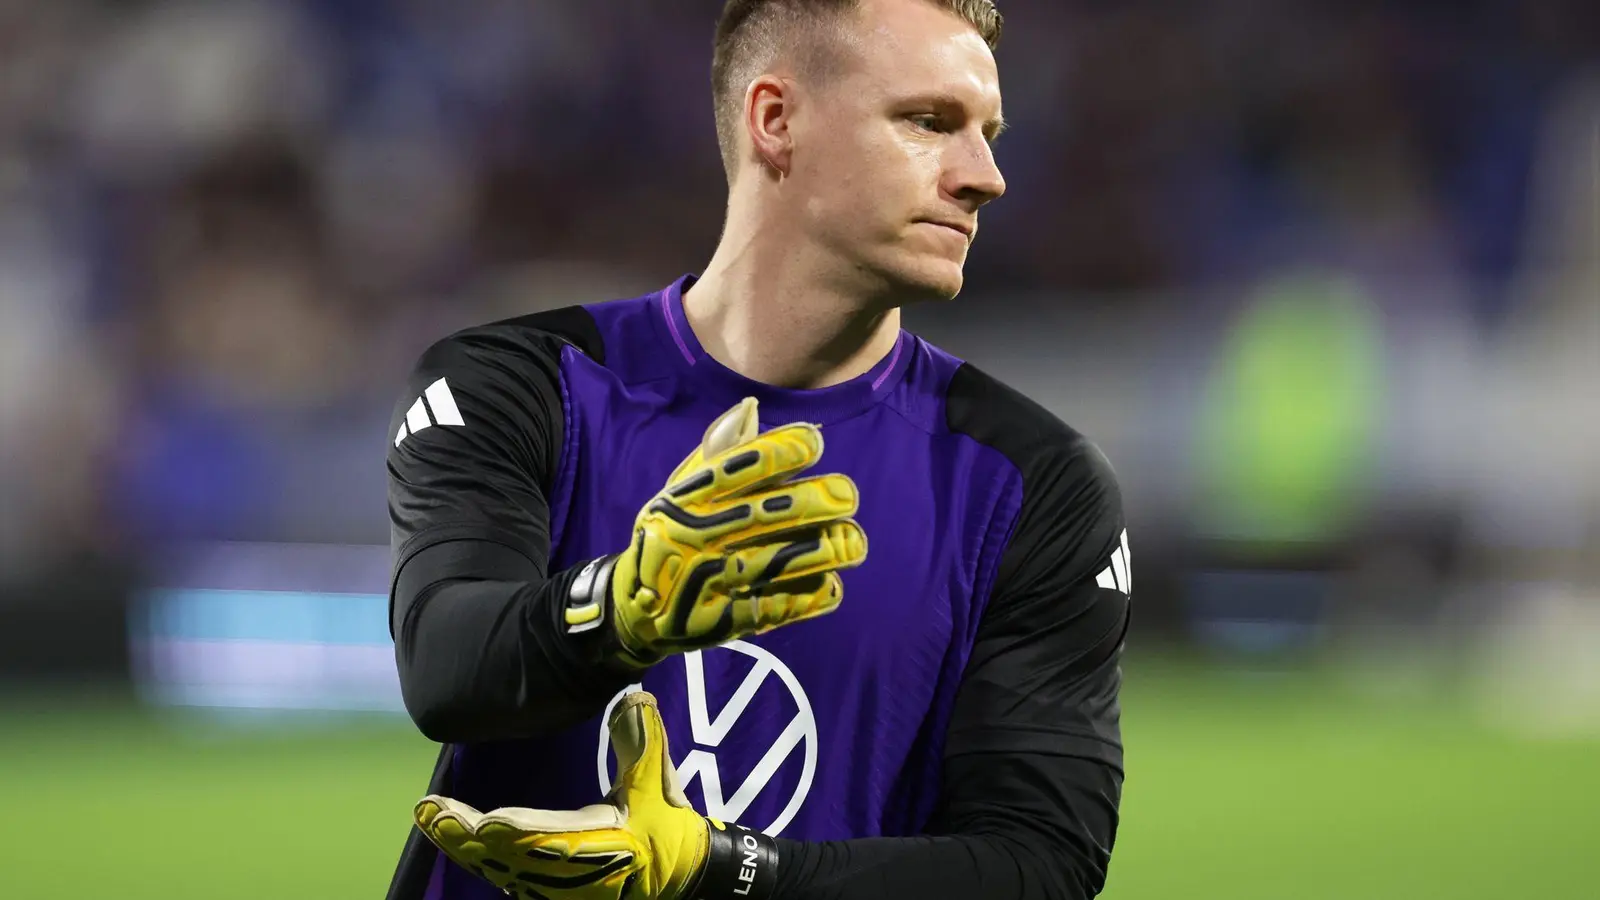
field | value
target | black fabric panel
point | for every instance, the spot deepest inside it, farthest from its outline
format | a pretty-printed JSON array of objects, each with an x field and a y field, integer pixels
[
  {"x": 572, "y": 324},
  {"x": 1033, "y": 767},
  {"x": 480, "y": 643}
]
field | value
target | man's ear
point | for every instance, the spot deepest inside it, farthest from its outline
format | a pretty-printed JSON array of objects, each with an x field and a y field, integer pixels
[{"x": 769, "y": 107}]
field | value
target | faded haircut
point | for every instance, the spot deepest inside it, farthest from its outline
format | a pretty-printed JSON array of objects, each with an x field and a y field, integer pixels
[{"x": 752, "y": 33}]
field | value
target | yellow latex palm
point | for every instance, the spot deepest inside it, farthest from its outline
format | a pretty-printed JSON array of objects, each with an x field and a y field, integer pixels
[{"x": 644, "y": 841}]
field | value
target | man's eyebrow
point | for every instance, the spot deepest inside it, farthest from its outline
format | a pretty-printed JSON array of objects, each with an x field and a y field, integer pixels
[{"x": 992, "y": 129}]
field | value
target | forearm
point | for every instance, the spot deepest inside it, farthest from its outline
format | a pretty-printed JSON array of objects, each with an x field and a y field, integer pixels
[
  {"x": 957, "y": 867},
  {"x": 1014, "y": 826},
  {"x": 483, "y": 654}
]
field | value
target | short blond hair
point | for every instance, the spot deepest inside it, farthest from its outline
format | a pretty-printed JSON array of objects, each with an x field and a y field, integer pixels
[{"x": 750, "y": 32}]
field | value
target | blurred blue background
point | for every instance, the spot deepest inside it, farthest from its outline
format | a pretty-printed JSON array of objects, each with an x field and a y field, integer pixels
[{"x": 1322, "y": 278}]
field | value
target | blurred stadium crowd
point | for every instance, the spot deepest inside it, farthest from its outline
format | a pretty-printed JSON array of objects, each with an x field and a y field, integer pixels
[{"x": 1320, "y": 276}]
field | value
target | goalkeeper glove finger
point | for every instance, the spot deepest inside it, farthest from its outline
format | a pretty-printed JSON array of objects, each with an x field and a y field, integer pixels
[
  {"x": 734, "y": 545},
  {"x": 644, "y": 841}
]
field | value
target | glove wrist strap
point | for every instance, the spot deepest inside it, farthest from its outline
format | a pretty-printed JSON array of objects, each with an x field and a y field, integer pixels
[
  {"x": 740, "y": 865},
  {"x": 590, "y": 608},
  {"x": 588, "y": 596}
]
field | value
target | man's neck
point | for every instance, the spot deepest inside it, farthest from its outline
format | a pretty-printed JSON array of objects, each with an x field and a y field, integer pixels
[{"x": 771, "y": 314}]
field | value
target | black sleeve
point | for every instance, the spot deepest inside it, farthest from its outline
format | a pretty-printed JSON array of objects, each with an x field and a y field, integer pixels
[
  {"x": 1033, "y": 757},
  {"x": 475, "y": 613}
]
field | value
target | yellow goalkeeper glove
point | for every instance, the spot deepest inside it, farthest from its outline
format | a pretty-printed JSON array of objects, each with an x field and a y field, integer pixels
[
  {"x": 734, "y": 545},
  {"x": 645, "y": 841}
]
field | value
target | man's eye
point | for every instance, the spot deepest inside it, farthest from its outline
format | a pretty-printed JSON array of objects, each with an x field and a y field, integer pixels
[{"x": 926, "y": 122}]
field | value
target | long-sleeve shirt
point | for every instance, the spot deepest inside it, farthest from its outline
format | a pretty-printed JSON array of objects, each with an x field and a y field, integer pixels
[{"x": 952, "y": 729}]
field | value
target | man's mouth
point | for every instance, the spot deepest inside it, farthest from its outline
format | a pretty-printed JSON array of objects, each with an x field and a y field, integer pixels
[{"x": 965, "y": 229}]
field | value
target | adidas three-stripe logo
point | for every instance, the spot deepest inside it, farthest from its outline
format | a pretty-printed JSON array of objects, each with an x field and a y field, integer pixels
[
  {"x": 1119, "y": 575},
  {"x": 436, "y": 406}
]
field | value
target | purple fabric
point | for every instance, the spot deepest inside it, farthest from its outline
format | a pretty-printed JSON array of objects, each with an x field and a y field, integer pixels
[
  {"x": 824, "y": 730},
  {"x": 672, "y": 326},
  {"x": 889, "y": 367},
  {"x": 561, "y": 494}
]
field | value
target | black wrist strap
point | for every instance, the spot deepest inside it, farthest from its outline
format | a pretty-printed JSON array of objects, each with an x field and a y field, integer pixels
[
  {"x": 740, "y": 865},
  {"x": 589, "y": 615},
  {"x": 588, "y": 598}
]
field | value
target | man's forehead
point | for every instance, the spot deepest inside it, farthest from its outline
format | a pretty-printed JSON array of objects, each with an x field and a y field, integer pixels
[
  {"x": 935, "y": 50},
  {"x": 943, "y": 70}
]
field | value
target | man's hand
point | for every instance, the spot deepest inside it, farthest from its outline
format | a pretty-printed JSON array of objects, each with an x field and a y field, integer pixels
[
  {"x": 645, "y": 841},
  {"x": 734, "y": 545}
]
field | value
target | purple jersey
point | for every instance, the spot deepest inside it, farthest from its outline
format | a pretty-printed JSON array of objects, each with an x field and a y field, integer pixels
[{"x": 559, "y": 427}]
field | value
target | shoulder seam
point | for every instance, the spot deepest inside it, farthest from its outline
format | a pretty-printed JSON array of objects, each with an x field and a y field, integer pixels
[
  {"x": 547, "y": 324},
  {"x": 1057, "y": 433}
]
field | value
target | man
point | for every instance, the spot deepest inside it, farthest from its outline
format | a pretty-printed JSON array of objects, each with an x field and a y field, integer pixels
[{"x": 935, "y": 719}]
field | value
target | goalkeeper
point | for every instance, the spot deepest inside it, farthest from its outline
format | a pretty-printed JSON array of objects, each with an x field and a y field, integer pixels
[{"x": 738, "y": 590}]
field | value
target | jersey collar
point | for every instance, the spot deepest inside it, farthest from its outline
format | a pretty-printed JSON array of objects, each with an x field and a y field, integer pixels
[{"x": 778, "y": 405}]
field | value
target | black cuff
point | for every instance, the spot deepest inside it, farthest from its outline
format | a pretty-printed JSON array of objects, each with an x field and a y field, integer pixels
[
  {"x": 588, "y": 597},
  {"x": 740, "y": 865},
  {"x": 589, "y": 617},
  {"x": 583, "y": 610}
]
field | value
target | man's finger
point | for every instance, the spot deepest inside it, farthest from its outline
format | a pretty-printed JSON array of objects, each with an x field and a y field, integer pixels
[
  {"x": 804, "y": 503},
  {"x": 789, "y": 601},
  {"x": 768, "y": 458},
  {"x": 835, "y": 545}
]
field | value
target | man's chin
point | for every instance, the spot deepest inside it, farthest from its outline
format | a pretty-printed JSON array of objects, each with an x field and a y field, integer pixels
[{"x": 929, "y": 280}]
